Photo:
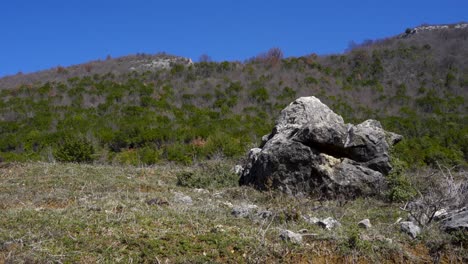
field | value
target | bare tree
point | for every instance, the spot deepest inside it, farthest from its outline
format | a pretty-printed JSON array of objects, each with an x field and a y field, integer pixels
[
  {"x": 272, "y": 57},
  {"x": 204, "y": 58},
  {"x": 438, "y": 190}
]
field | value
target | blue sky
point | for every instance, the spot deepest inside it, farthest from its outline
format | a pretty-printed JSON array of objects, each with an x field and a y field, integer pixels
[{"x": 43, "y": 34}]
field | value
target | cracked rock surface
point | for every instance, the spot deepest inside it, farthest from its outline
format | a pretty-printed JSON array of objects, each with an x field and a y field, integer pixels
[{"x": 312, "y": 150}]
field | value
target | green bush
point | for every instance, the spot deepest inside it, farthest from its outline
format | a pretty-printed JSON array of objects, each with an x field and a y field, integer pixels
[
  {"x": 260, "y": 94},
  {"x": 400, "y": 188},
  {"x": 149, "y": 155},
  {"x": 208, "y": 175},
  {"x": 353, "y": 242},
  {"x": 179, "y": 153},
  {"x": 127, "y": 157},
  {"x": 220, "y": 142},
  {"x": 75, "y": 149}
]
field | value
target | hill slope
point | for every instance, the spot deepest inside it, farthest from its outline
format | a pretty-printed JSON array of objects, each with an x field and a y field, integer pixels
[{"x": 142, "y": 109}]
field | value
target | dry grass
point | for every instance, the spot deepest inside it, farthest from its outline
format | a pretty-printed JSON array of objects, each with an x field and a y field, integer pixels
[{"x": 70, "y": 213}]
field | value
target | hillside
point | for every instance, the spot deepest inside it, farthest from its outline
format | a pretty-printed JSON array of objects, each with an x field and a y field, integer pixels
[
  {"x": 134, "y": 159},
  {"x": 147, "y": 108}
]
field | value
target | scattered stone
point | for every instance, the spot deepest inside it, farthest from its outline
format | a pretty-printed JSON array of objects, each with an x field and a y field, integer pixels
[
  {"x": 157, "y": 201},
  {"x": 238, "y": 169},
  {"x": 329, "y": 223},
  {"x": 94, "y": 209},
  {"x": 264, "y": 214},
  {"x": 199, "y": 190},
  {"x": 218, "y": 229},
  {"x": 365, "y": 224},
  {"x": 310, "y": 219},
  {"x": 457, "y": 220},
  {"x": 243, "y": 210},
  {"x": 440, "y": 214},
  {"x": 410, "y": 228},
  {"x": 290, "y": 236},
  {"x": 311, "y": 149},
  {"x": 218, "y": 195},
  {"x": 227, "y": 204},
  {"x": 182, "y": 198}
]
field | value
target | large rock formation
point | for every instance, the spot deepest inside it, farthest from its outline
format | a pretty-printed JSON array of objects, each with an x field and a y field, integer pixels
[{"x": 312, "y": 150}]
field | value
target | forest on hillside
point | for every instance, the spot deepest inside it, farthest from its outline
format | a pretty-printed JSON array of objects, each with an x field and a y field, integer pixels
[{"x": 414, "y": 84}]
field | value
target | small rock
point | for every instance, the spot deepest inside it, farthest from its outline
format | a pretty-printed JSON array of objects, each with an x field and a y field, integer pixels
[
  {"x": 227, "y": 204},
  {"x": 310, "y": 219},
  {"x": 95, "y": 209},
  {"x": 243, "y": 210},
  {"x": 264, "y": 214},
  {"x": 238, "y": 169},
  {"x": 365, "y": 224},
  {"x": 157, "y": 201},
  {"x": 410, "y": 228},
  {"x": 218, "y": 195},
  {"x": 290, "y": 236},
  {"x": 199, "y": 190},
  {"x": 329, "y": 223},
  {"x": 218, "y": 229},
  {"x": 440, "y": 214},
  {"x": 182, "y": 198},
  {"x": 302, "y": 231}
]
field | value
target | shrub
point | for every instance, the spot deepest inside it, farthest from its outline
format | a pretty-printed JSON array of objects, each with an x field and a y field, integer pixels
[
  {"x": 220, "y": 142},
  {"x": 75, "y": 149},
  {"x": 149, "y": 155},
  {"x": 127, "y": 157},
  {"x": 179, "y": 153},
  {"x": 208, "y": 175},
  {"x": 437, "y": 189},
  {"x": 400, "y": 188},
  {"x": 260, "y": 94}
]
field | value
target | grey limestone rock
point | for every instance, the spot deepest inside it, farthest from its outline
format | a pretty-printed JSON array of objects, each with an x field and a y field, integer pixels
[
  {"x": 291, "y": 236},
  {"x": 410, "y": 228},
  {"x": 457, "y": 220},
  {"x": 244, "y": 210},
  {"x": 312, "y": 150},
  {"x": 182, "y": 198},
  {"x": 329, "y": 223},
  {"x": 365, "y": 223}
]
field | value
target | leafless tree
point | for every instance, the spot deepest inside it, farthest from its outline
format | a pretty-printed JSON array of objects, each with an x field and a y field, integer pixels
[
  {"x": 204, "y": 58},
  {"x": 438, "y": 190}
]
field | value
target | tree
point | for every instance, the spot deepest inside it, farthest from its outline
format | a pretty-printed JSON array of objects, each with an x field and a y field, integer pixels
[
  {"x": 272, "y": 57},
  {"x": 204, "y": 58},
  {"x": 437, "y": 190}
]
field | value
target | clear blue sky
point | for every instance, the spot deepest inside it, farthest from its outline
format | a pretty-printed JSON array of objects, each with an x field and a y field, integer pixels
[{"x": 42, "y": 34}]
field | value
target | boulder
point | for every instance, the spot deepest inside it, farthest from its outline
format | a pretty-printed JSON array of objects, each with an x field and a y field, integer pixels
[
  {"x": 290, "y": 236},
  {"x": 457, "y": 220},
  {"x": 410, "y": 228},
  {"x": 312, "y": 150}
]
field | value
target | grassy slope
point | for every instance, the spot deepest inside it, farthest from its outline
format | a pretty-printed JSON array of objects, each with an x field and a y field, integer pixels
[{"x": 88, "y": 214}]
